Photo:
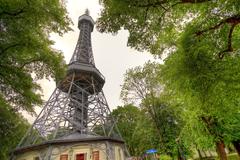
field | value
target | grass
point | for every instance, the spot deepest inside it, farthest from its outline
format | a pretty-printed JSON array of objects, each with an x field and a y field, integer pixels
[{"x": 232, "y": 156}]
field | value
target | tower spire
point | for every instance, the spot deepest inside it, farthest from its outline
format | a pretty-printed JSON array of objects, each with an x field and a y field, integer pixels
[
  {"x": 83, "y": 50},
  {"x": 87, "y": 12}
]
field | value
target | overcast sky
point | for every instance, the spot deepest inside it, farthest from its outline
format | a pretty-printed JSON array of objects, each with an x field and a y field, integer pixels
[{"x": 111, "y": 54}]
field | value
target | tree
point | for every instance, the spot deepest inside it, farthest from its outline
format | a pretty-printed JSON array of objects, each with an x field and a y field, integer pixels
[
  {"x": 142, "y": 85},
  {"x": 136, "y": 129},
  {"x": 12, "y": 128},
  {"x": 203, "y": 68},
  {"x": 141, "y": 82},
  {"x": 148, "y": 21},
  {"x": 209, "y": 85},
  {"x": 26, "y": 54},
  {"x": 127, "y": 118},
  {"x": 168, "y": 124}
]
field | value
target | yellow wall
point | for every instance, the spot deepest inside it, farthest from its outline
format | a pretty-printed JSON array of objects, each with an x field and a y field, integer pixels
[
  {"x": 118, "y": 150},
  {"x": 86, "y": 149}
]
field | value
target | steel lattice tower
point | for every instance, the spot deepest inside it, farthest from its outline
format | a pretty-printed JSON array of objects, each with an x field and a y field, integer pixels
[{"x": 77, "y": 109}]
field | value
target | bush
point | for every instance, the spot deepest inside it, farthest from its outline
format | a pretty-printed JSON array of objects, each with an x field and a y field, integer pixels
[{"x": 165, "y": 157}]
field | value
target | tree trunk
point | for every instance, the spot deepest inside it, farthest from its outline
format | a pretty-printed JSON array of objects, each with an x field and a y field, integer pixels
[
  {"x": 236, "y": 145},
  {"x": 180, "y": 154},
  {"x": 221, "y": 150}
]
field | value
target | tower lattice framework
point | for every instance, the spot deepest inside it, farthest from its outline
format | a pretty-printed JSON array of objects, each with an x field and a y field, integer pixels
[{"x": 77, "y": 107}]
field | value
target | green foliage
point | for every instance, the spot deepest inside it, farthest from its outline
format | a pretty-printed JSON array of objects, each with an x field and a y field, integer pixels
[
  {"x": 232, "y": 156},
  {"x": 209, "y": 86},
  {"x": 12, "y": 128},
  {"x": 167, "y": 123},
  {"x": 201, "y": 74},
  {"x": 25, "y": 48},
  {"x": 26, "y": 55},
  {"x": 156, "y": 25},
  {"x": 142, "y": 84},
  {"x": 135, "y": 128},
  {"x": 127, "y": 118},
  {"x": 153, "y": 25},
  {"x": 165, "y": 157}
]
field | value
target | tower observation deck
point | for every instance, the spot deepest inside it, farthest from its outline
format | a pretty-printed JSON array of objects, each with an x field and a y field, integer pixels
[{"x": 77, "y": 111}]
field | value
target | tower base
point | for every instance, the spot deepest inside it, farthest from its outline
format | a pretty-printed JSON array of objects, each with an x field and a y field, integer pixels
[{"x": 74, "y": 147}]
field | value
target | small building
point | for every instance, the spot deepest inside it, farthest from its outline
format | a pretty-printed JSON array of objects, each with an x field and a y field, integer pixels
[{"x": 75, "y": 148}]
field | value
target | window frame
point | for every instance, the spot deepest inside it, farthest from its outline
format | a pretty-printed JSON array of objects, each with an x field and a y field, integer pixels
[
  {"x": 63, "y": 156},
  {"x": 93, "y": 155}
]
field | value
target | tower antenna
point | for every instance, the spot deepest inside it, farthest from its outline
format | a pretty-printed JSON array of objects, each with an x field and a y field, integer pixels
[{"x": 87, "y": 12}]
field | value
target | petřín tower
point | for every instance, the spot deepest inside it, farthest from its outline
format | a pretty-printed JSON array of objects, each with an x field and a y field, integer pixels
[{"x": 75, "y": 123}]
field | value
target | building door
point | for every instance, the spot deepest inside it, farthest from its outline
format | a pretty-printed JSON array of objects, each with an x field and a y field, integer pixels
[{"x": 80, "y": 156}]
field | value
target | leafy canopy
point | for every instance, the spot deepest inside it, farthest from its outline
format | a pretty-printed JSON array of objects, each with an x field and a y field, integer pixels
[
  {"x": 25, "y": 48},
  {"x": 208, "y": 84},
  {"x": 156, "y": 25},
  {"x": 12, "y": 128},
  {"x": 142, "y": 86},
  {"x": 152, "y": 25},
  {"x": 141, "y": 82},
  {"x": 202, "y": 73},
  {"x": 136, "y": 129},
  {"x": 26, "y": 55}
]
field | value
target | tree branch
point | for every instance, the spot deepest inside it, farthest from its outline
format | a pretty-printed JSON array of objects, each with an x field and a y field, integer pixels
[
  {"x": 11, "y": 46},
  {"x": 160, "y": 3},
  {"x": 195, "y": 1},
  {"x": 211, "y": 124},
  {"x": 156, "y": 4},
  {"x": 146, "y": 14},
  {"x": 29, "y": 62},
  {"x": 16, "y": 13},
  {"x": 211, "y": 28},
  {"x": 231, "y": 20},
  {"x": 229, "y": 46}
]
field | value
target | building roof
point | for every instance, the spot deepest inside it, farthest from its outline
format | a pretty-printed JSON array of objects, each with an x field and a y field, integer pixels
[{"x": 69, "y": 139}]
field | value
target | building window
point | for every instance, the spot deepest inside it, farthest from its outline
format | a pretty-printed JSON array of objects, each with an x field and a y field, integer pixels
[
  {"x": 64, "y": 157},
  {"x": 80, "y": 156},
  {"x": 95, "y": 155}
]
